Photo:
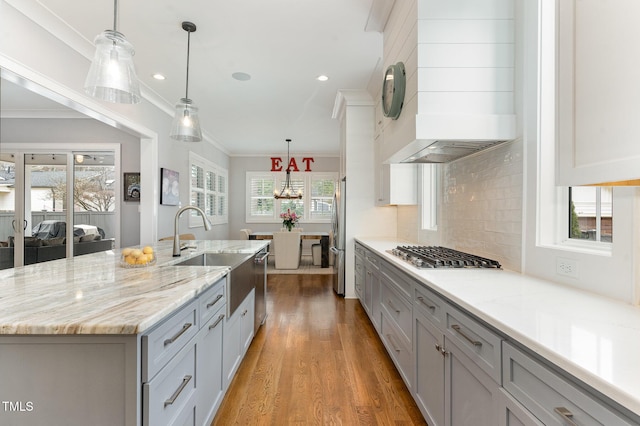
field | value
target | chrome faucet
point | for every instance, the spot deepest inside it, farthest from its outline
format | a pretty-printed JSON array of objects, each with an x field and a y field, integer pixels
[{"x": 176, "y": 233}]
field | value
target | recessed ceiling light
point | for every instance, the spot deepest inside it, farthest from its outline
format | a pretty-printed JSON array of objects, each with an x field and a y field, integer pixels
[
  {"x": 159, "y": 76},
  {"x": 322, "y": 78},
  {"x": 241, "y": 76}
]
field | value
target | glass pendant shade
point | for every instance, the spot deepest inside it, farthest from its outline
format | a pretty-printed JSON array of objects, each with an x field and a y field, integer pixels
[
  {"x": 112, "y": 76},
  {"x": 186, "y": 124}
]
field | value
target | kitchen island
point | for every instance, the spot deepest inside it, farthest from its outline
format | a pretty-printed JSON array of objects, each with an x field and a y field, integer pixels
[
  {"x": 87, "y": 341},
  {"x": 520, "y": 347}
]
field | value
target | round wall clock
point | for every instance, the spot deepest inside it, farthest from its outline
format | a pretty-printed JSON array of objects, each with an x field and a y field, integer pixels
[{"x": 393, "y": 88}]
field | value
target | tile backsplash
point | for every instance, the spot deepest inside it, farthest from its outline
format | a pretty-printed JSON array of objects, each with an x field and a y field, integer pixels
[{"x": 480, "y": 206}]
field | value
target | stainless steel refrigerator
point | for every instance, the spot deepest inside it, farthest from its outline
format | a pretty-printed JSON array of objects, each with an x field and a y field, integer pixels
[{"x": 339, "y": 236}]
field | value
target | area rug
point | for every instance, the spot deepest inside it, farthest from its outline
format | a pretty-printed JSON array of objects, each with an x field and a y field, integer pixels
[{"x": 306, "y": 267}]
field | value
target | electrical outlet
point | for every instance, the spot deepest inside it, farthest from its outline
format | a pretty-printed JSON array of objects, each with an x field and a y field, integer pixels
[{"x": 567, "y": 267}]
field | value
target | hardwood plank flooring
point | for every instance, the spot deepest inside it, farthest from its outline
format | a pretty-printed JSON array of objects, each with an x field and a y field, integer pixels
[{"x": 317, "y": 360}]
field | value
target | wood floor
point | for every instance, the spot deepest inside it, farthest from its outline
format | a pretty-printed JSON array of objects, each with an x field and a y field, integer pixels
[{"x": 316, "y": 361}]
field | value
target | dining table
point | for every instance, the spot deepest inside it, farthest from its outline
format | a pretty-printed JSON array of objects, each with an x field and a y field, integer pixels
[{"x": 322, "y": 236}]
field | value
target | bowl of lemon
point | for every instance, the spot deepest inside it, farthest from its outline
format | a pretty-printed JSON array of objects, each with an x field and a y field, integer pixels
[{"x": 137, "y": 257}]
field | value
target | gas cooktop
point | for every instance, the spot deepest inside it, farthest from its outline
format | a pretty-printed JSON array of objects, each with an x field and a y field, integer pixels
[{"x": 441, "y": 257}]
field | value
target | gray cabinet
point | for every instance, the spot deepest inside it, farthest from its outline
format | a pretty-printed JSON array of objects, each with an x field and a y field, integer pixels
[
  {"x": 550, "y": 397},
  {"x": 359, "y": 272},
  {"x": 470, "y": 393},
  {"x": 429, "y": 383},
  {"x": 238, "y": 332},
  {"x": 512, "y": 413},
  {"x": 209, "y": 345},
  {"x": 371, "y": 290}
]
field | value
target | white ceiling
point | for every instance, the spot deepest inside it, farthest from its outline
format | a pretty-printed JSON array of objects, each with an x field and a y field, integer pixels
[{"x": 283, "y": 44}]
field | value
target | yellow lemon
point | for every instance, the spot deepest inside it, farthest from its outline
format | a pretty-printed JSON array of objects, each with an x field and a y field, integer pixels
[
  {"x": 126, "y": 251},
  {"x": 141, "y": 260},
  {"x": 130, "y": 260},
  {"x": 136, "y": 253},
  {"x": 147, "y": 250}
]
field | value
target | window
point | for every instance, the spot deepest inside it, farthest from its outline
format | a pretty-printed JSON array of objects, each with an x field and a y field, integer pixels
[
  {"x": 314, "y": 206},
  {"x": 208, "y": 189},
  {"x": 591, "y": 213},
  {"x": 429, "y": 196}
]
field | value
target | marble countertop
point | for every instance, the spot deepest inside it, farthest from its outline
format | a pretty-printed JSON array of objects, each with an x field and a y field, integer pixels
[
  {"x": 93, "y": 294},
  {"x": 595, "y": 339}
]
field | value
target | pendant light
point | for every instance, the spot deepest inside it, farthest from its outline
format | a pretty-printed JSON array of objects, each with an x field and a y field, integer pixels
[
  {"x": 186, "y": 124},
  {"x": 112, "y": 75},
  {"x": 287, "y": 192}
]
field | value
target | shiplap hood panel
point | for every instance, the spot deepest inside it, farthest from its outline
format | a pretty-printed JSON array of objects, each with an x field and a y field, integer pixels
[{"x": 459, "y": 57}]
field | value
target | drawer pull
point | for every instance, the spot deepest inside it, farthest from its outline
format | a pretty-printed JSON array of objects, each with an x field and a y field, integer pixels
[
  {"x": 456, "y": 327},
  {"x": 210, "y": 304},
  {"x": 393, "y": 307},
  {"x": 566, "y": 415},
  {"x": 176, "y": 394},
  {"x": 421, "y": 299},
  {"x": 395, "y": 347},
  {"x": 220, "y": 318},
  {"x": 178, "y": 334}
]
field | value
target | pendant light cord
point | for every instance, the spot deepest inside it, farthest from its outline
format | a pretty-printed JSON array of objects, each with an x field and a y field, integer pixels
[
  {"x": 115, "y": 15},
  {"x": 188, "y": 50}
]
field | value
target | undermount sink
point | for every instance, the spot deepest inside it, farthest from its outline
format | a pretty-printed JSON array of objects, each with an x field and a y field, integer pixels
[{"x": 231, "y": 260}]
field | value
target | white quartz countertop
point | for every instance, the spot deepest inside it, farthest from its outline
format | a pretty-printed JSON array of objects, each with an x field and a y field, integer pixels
[
  {"x": 94, "y": 294},
  {"x": 595, "y": 339}
]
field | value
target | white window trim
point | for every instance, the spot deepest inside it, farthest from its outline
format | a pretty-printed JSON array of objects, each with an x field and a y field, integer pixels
[
  {"x": 429, "y": 197},
  {"x": 306, "y": 177},
  {"x": 209, "y": 166}
]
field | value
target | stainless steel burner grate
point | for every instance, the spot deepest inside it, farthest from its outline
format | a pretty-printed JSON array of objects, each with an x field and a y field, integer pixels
[{"x": 442, "y": 257}]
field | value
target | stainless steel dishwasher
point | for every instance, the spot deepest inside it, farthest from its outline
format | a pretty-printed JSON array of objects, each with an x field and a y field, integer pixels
[{"x": 260, "y": 280}]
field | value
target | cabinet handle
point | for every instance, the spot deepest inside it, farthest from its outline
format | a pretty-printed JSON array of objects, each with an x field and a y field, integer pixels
[
  {"x": 178, "y": 334},
  {"x": 421, "y": 299},
  {"x": 176, "y": 394},
  {"x": 392, "y": 307},
  {"x": 395, "y": 347},
  {"x": 441, "y": 349},
  {"x": 456, "y": 327},
  {"x": 566, "y": 415},
  {"x": 244, "y": 313},
  {"x": 220, "y": 318},
  {"x": 210, "y": 304}
]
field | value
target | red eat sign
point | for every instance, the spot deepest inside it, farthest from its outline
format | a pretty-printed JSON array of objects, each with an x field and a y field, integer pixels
[{"x": 276, "y": 164}]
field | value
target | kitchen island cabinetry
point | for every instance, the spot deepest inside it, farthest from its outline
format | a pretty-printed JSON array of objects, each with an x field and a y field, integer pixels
[
  {"x": 96, "y": 343},
  {"x": 598, "y": 97},
  {"x": 359, "y": 269},
  {"x": 238, "y": 333},
  {"x": 209, "y": 344}
]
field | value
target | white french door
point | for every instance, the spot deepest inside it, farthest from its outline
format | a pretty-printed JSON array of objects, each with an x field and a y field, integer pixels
[{"x": 42, "y": 188}]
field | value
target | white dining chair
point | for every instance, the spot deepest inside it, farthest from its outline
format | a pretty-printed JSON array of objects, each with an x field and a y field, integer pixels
[{"x": 288, "y": 249}]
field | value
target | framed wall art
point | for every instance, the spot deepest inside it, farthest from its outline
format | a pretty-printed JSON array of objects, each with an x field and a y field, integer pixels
[
  {"x": 131, "y": 186},
  {"x": 170, "y": 190}
]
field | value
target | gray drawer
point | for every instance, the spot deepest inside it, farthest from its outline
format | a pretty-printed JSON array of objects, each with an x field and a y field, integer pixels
[
  {"x": 360, "y": 250},
  {"x": 544, "y": 393},
  {"x": 402, "y": 282},
  {"x": 211, "y": 300},
  {"x": 479, "y": 343},
  {"x": 401, "y": 354},
  {"x": 430, "y": 305},
  {"x": 399, "y": 310},
  {"x": 166, "y": 340},
  {"x": 372, "y": 260},
  {"x": 170, "y": 398}
]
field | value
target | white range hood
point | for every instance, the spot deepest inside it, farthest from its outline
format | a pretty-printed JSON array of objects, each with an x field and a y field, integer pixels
[{"x": 460, "y": 79}]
